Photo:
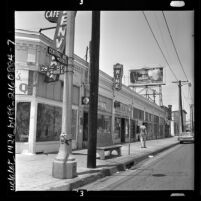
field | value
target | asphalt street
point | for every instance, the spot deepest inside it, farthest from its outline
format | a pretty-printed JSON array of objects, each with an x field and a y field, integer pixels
[{"x": 170, "y": 170}]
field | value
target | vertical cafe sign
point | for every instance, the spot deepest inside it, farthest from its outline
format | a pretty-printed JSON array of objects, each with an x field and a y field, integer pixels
[
  {"x": 118, "y": 74},
  {"x": 59, "y": 41}
]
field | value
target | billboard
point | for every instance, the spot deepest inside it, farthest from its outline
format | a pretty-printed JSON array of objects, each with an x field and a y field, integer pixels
[{"x": 146, "y": 76}]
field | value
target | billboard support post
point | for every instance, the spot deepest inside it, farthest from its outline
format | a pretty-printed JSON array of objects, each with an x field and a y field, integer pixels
[
  {"x": 147, "y": 78},
  {"x": 160, "y": 96}
]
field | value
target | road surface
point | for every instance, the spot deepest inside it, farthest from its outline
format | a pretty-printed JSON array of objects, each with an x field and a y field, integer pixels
[{"x": 170, "y": 170}]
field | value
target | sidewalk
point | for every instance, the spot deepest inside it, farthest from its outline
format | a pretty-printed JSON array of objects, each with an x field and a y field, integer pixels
[{"x": 34, "y": 172}]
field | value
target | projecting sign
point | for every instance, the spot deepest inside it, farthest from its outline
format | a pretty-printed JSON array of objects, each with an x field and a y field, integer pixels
[
  {"x": 146, "y": 76},
  {"x": 52, "y": 16},
  {"x": 61, "y": 58},
  {"x": 118, "y": 74},
  {"x": 58, "y": 60}
]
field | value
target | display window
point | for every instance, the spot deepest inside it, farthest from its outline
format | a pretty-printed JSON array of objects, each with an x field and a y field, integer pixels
[
  {"x": 126, "y": 128},
  {"x": 117, "y": 127},
  {"x": 48, "y": 123},
  {"x": 22, "y": 121},
  {"x": 156, "y": 130},
  {"x": 74, "y": 124},
  {"x": 104, "y": 124},
  {"x": 133, "y": 128}
]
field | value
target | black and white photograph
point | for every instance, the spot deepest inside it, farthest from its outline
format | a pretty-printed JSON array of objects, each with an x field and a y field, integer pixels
[{"x": 104, "y": 100}]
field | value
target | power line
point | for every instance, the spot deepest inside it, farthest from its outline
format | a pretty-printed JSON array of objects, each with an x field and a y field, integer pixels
[
  {"x": 174, "y": 45},
  {"x": 158, "y": 45},
  {"x": 161, "y": 33}
]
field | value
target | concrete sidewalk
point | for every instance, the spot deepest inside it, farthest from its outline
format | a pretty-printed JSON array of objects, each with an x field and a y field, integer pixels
[{"x": 34, "y": 172}]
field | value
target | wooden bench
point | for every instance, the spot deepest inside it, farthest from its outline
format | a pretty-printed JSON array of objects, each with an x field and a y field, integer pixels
[
  {"x": 101, "y": 150},
  {"x": 105, "y": 143}
]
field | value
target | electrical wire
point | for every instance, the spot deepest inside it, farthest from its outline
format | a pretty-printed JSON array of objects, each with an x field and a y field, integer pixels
[
  {"x": 162, "y": 36},
  {"x": 159, "y": 45},
  {"x": 174, "y": 44}
]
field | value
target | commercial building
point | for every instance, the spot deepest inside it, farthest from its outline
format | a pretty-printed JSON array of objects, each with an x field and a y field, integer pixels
[
  {"x": 177, "y": 122},
  {"x": 192, "y": 119},
  {"x": 39, "y": 103}
]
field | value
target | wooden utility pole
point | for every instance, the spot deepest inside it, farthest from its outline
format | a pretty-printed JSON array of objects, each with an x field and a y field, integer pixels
[
  {"x": 180, "y": 104},
  {"x": 94, "y": 82}
]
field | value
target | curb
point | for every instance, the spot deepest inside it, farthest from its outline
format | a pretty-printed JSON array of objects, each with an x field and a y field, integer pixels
[{"x": 122, "y": 166}]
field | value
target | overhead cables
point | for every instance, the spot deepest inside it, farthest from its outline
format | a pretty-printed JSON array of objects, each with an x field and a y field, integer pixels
[
  {"x": 159, "y": 45},
  {"x": 174, "y": 45}
]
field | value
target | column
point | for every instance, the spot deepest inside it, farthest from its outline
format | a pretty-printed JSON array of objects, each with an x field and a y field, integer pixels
[{"x": 33, "y": 116}]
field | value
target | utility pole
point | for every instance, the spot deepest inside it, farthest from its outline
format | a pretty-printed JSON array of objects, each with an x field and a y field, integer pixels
[
  {"x": 94, "y": 82},
  {"x": 180, "y": 104}
]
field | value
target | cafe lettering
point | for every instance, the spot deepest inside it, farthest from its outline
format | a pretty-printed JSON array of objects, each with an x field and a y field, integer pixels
[{"x": 52, "y": 16}]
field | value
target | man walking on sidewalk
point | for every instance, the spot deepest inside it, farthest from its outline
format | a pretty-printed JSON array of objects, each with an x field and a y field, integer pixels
[{"x": 143, "y": 133}]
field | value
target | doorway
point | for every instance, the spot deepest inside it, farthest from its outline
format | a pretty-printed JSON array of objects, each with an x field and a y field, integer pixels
[
  {"x": 122, "y": 130},
  {"x": 85, "y": 129}
]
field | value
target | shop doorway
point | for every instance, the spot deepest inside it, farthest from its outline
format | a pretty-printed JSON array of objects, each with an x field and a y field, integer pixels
[
  {"x": 85, "y": 129},
  {"x": 122, "y": 130}
]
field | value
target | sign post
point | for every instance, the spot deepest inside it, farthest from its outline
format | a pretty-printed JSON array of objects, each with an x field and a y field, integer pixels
[{"x": 64, "y": 165}]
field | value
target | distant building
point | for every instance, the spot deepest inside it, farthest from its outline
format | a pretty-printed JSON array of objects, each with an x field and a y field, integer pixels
[
  {"x": 192, "y": 117},
  {"x": 168, "y": 115},
  {"x": 176, "y": 120}
]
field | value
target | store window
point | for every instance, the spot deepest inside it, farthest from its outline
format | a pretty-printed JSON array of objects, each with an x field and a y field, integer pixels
[
  {"x": 104, "y": 124},
  {"x": 22, "y": 121},
  {"x": 146, "y": 116},
  {"x": 107, "y": 124},
  {"x": 76, "y": 95},
  {"x": 48, "y": 123},
  {"x": 117, "y": 127},
  {"x": 133, "y": 128},
  {"x": 74, "y": 124},
  {"x": 135, "y": 113},
  {"x": 141, "y": 115},
  {"x": 126, "y": 128}
]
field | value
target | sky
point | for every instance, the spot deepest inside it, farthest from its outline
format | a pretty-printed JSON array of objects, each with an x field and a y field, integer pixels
[{"x": 126, "y": 38}]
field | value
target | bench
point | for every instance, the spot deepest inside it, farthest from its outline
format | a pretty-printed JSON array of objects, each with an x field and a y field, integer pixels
[
  {"x": 101, "y": 150},
  {"x": 105, "y": 143}
]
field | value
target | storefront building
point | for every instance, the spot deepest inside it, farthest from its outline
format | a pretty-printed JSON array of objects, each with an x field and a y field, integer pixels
[
  {"x": 39, "y": 104},
  {"x": 177, "y": 121}
]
